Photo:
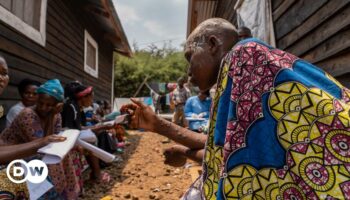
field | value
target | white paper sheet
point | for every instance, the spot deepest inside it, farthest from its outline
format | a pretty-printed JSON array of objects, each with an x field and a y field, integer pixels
[
  {"x": 118, "y": 120},
  {"x": 55, "y": 152},
  {"x": 36, "y": 190},
  {"x": 87, "y": 136},
  {"x": 195, "y": 119},
  {"x": 101, "y": 154}
]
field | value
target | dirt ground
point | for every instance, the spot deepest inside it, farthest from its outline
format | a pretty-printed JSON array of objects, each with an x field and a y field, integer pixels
[{"x": 142, "y": 174}]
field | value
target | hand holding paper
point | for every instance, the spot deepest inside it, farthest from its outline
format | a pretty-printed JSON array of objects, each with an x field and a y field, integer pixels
[
  {"x": 55, "y": 152},
  {"x": 121, "y": 119}
]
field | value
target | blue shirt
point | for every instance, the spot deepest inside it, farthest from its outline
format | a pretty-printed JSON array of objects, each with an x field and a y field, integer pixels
[{"x": 195, "y": 106}]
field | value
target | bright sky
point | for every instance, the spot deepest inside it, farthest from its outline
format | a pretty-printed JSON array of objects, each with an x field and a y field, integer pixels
[{"x": 153, "y": 21}]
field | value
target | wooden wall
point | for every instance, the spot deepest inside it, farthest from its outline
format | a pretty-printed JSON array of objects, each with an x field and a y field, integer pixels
[
  {"x": 63, "y": 55},
  {"x": 317, "y": 31},
  {"x": 225, "y": 9}
]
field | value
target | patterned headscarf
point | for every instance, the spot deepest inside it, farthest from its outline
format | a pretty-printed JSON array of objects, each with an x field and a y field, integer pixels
[{"x": 53, "y": 88}]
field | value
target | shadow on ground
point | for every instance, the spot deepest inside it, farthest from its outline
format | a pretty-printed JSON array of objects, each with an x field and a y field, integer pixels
[{"x": 97, "y": 191}]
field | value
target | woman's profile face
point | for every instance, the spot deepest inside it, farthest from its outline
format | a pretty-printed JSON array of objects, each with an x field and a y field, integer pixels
[
  {"x": 4, "y": 77},
  {"x": 45, "y": 105},
  {"x": 88, "y": 100}
]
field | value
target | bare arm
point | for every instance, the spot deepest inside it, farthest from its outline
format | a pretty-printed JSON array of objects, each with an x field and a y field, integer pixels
[
  {"x": 176, "y": 155},
  {"x": 18, "y": 151},
  {"x": 142, "y": 116},
  {"x": 181, "y": 135}
]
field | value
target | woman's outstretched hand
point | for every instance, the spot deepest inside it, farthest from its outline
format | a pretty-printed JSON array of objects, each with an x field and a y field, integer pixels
[{"x": 53, "y": 138}]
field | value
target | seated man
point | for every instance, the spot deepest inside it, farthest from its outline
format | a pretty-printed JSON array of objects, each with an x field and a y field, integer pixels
[{"x": 197, "y": 111}]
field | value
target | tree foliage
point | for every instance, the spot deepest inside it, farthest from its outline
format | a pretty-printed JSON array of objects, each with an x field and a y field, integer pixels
[{"x": 159, "y": 64}]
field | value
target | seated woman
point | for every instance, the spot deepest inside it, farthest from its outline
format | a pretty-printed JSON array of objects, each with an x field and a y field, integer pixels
[
  {"x": 79, "y": 97},
  {"x": 39, "y": 121},
  {"x": 27, "y": 91}
]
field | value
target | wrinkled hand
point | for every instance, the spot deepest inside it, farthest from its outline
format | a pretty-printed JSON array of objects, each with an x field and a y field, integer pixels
[
  {"x": 174, "y": 156},
  {"x": 53, "y": 138},
  {"x": 141, "y": 116}
]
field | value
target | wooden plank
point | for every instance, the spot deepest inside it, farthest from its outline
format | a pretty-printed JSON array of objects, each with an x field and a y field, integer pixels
[
  {"x": 228, "y": 9},
  {"x": 18, "y": 8},
  {"x": 7, "y": 104},
  {"x": 296, "y": 15},
  {"x": 58, "y": 26},
  {"x": 54, "y": 35},
  {"x": 344, "y": 79},
  {"x": 330, "y": 47},
  {"x": 321, "y": 33},
  {"x": 22, "y": 68},
  {"x": 102, "y": 76},
  {"x": 68, "y": 19},
  {"x": 55, "y": 60},
  {"x": 276, "y": 14},
  {"x": 35, "y": 52},
  {"x": 336, "y": 65},
  {"x": 276, "y": 4},
  {"x": 29, "y": 55},
  {"x": 315, "y": 20},
  {"x": 10, "y": 93},
  {"x": 6, "y": 4},
  {"x": 37, "y": 14},
  {"x": 28, "y": 13},
  {"x": 66, "y": 54}
]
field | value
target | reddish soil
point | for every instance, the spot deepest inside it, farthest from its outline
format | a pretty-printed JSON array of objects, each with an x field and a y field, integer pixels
[{"x": 142, "y": 174}]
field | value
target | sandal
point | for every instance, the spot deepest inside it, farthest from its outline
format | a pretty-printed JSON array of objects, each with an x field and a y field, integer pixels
[{"x": 104, "y": 178}]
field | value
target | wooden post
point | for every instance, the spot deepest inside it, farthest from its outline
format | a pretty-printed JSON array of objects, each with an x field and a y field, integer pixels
[{"x": 140, "y": 87}]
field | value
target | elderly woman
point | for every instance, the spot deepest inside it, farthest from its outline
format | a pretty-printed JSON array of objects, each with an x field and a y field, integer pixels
[
  {"x": 40, "y": 121},
  {"x": 12, "y": 152},
  {"x": 279, "y": 127}
]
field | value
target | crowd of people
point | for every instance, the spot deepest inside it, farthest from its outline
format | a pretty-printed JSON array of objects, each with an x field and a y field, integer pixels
[
  {"x": 46, "y": 109},
  {"x": 278, "y": 126}
]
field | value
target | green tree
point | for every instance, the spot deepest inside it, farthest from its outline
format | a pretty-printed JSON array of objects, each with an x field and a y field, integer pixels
[{"x": 159, "y": 64}]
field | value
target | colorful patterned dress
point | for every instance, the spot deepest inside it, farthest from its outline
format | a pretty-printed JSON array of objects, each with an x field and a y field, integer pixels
[
  {"x": 280, "y": 129},
  {"x": 27, "y": 127}
]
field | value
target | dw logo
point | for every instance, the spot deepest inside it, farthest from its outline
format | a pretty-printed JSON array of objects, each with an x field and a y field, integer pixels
[{"x": 35, "y": 171}]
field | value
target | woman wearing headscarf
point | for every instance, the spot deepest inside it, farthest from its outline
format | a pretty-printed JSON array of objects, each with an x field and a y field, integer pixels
[
  {"x": 39, "y": 121},
  {"x": 78, "y": 97},
  {"x": 12, "y": 152}
]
